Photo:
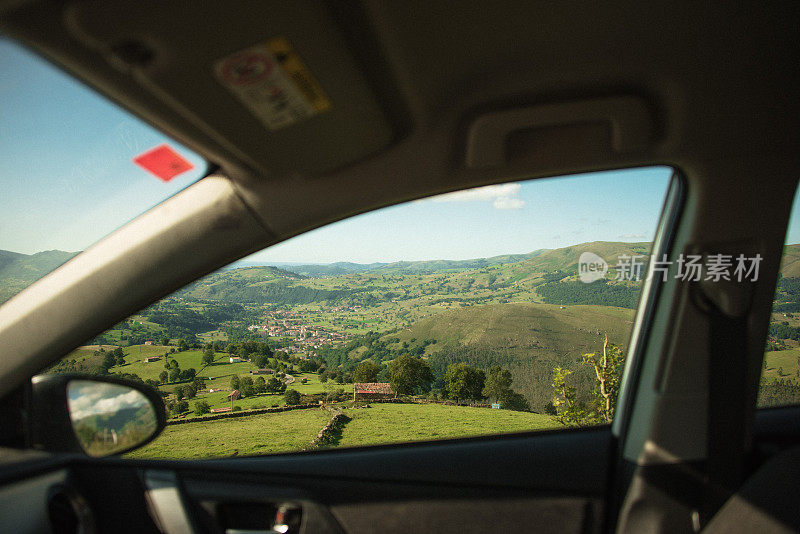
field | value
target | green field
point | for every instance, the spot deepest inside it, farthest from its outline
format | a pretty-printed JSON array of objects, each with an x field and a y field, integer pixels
[
  {"x": 379, "y": 424},
  {"x": 256, "y": 434},
  {"x": 787, "y": 361},
  {"x": 396, "y": 423}
]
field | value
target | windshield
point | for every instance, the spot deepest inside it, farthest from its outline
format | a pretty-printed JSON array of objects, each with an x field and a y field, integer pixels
[{"x": 75, "y": 167}]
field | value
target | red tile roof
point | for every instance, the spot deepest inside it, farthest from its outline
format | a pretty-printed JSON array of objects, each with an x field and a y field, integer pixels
[{"x": 382, "y": 388}]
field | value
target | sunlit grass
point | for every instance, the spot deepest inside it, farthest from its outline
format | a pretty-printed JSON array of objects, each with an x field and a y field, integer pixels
[{"x": 248, "y": 435}]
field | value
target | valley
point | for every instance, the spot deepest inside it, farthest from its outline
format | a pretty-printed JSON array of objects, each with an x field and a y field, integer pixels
[{"x": 312, "y": 329}]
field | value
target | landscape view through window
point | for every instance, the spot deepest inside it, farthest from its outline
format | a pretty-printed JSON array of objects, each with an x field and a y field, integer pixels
[{"x": 458, "y": 315}]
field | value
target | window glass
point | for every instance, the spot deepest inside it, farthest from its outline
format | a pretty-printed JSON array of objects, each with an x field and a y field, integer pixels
[
  {"x": 780, "y": 371},
  {"x": 479, "y": 312},
  {"x": 75, "y": 167}
]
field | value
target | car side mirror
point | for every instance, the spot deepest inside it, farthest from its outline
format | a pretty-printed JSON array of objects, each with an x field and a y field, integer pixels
[{"x": 96, "y": 415}]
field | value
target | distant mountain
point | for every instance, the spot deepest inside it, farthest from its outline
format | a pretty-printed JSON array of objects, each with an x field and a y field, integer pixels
[
  {"x": 18, "y": 271},
  {"x": 290, "y": 284},
  {"x": 259, "y": 285},
  {"x": 404, "y": 267},
  {"x": 566, "y": 259},
  {"x": 8, "y": 258},
  {"x": 438, "y": 266},
  {"x": 334, "y": 269}
]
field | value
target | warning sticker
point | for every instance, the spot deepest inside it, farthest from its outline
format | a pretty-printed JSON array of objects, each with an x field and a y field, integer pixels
[
  {"x": 163, "y": 162},
  {"x": 272, "y": 81}
]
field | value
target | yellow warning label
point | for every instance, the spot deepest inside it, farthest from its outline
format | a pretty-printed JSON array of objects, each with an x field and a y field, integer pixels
[
  {"x": 299, "y": 74},
  {"x": 273, "y": 83}
]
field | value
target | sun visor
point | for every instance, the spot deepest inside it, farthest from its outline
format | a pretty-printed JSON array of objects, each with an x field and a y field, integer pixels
[{"x": 274, "y": 78}]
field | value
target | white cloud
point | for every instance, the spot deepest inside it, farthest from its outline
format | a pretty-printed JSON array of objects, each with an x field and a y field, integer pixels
[
  {"x": 632, "y": 236},
  {"x": 502, "y": 196},
  {"x": 508, "y": 203},
  {"x": 91, "y": 398}
]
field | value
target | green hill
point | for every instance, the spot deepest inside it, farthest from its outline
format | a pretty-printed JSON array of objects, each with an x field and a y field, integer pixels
[
  {"x": 18, "y": 271},
  {"x": 529, "y": 339},
  {"x": 526, "y": 338},
  {"x": 438, "y": 266},
  {"x": 566, "y": 259}
]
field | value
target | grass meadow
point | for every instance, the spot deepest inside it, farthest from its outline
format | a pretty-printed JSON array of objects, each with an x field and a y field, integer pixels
[
  {"x": 248, "y": 435},
  {"x": 293, "y": 430}
]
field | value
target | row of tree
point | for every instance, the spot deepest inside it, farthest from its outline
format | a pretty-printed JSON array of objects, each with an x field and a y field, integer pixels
[{"x": 409, "y": 375}]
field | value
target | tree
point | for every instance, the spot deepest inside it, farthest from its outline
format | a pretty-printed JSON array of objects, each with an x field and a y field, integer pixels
[
  {"x": 569, "y": 411},
  {"x": 199, "y": 383},
  {"x": 163, "y": 377},
  {"x": 180, "y": 407},
  {"x": 462, "y": 381},
  {"x": 190, "y": 391},
  {"x": 246, "y": 386},
  {"x": 260, "y": 385},
  {"x": 182, "y": 345},
  {"x": 179, "y": 393},
  {"x": 188, "y": 374},
  {"x": 511, "y": 400},
  {"x": 165, "y": 341},
  {"x": 275, "y": 385},
  {"x": 208, "y": 356},
  {"x": 108, "y": 361},
  {"x": 174, "y": 374},
  {"x": 498, "y": 382},
  {"x": 310, "y": 366},
  {"x": 261, "y": 360},
  {"x": 366, "y": 371},
  {"x": 201, "y": 407},
  {"x": 408, "y": 374},
  {"x": 235, "y": 382},
  {"x": 119, "y": 356},
  {"x": 608, "y": 372},
  {"x": 291, "y": 397}
]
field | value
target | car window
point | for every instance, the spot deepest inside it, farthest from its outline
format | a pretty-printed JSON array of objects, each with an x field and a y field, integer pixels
[
  {"x": 780, "y": 371},
  {"x": 500, "y": 309},
  {"x": 75, "y": 167}
]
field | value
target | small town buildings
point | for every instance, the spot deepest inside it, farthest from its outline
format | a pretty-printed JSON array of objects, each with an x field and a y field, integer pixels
[
  {"x": 266, "y": 371},
  {"x": 372, "y": 391},
  {"x": 151, "y": 359},
  {"x": 235, "y": 359},
  {"x": 148, "y": 342}
]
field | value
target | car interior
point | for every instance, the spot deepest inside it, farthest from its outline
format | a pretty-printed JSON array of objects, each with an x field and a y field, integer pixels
[{"x": 405, "y": 100}]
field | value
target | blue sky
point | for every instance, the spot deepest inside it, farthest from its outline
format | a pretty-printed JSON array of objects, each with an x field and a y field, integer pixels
[
  {"x": 504, "y": 219},
  {"x": 68, "y": 179}
]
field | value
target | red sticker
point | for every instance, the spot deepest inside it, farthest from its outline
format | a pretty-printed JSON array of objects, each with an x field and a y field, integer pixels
[
  {"x": 163, "y": 162},
  {"x": 246, "y": 69}
]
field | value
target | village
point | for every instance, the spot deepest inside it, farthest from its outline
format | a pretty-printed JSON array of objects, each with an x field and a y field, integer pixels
[{"x": 294, "y": 325}]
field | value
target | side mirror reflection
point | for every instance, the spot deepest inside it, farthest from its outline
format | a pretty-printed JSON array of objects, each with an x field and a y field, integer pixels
[{"x": 108, "y": 418}]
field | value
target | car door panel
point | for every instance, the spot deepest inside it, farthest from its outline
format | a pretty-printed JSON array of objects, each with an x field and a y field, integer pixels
[{"x": 550, "y": 482}]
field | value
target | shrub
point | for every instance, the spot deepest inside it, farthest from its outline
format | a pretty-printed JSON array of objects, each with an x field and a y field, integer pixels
[
  {"x": 202, "y": 407},
  {"x": 291, "y": 397},
  {"x": 180, "y": 407},
  {"x": 238, "y": 408}
]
